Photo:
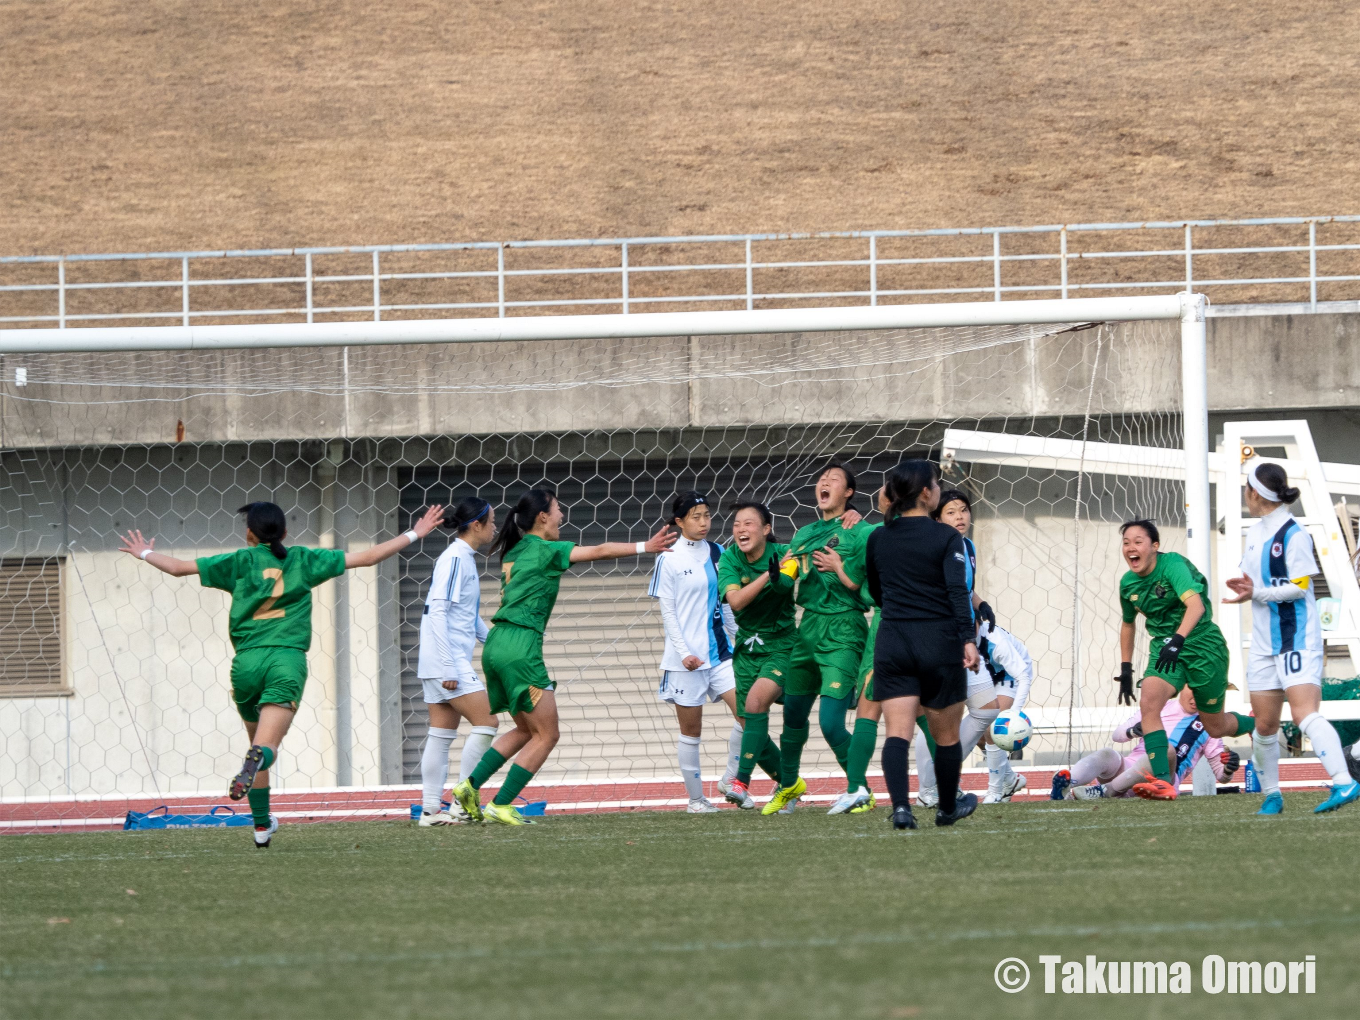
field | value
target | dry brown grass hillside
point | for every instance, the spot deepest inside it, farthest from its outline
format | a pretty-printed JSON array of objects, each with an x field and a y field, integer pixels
[{"x": 163, "y": 125}]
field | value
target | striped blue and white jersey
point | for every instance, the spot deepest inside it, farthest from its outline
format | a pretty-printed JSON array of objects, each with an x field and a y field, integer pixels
[
  {"x": 685, "y": 579},
  {"x": 452, "y": 623},
  {"x": 1278, "y": 552}
]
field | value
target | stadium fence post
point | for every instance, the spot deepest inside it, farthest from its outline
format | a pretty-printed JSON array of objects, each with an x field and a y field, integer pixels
[{"x": 1195, "y": 408}]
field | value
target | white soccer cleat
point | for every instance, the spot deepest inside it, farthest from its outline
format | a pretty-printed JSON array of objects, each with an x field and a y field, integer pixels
[
  {"x": 701, "y": 807},
  {"x": 263, "y": 836},
  {"x": 737, "y": 793},
  {"x": 847, "y": 802},
  {"x": 429, "y": 820},
  {"x": 1011, "y": 785},
  {"x": 993, "y": 797},
  {"x": 928, "y": 797},
  {"x": 1093, "y": 792}
]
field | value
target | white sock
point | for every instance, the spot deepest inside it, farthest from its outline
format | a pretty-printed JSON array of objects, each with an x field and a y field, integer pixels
[
  {"x": 925, "y": 767},
  {"x": 687, "y": 750},
  {"x": 473, "y": 748},
  {"x": 434, "y": 767},
  {"x": 1328, "y": 747},
  {"x": 1265, "y": 755},
  {"x": 733, "y": 753},
  {"x": 1097, "y": 767},
  {"x": 973, "y": 726},
  {"x": 997, "y": 768}
]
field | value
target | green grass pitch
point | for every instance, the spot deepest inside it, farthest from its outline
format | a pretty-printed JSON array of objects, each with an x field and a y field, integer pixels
[{"x": 675, "y": 916}]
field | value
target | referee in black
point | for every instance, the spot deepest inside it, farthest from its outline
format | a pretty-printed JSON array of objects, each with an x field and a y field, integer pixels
[{"x": 916, "y": 573}]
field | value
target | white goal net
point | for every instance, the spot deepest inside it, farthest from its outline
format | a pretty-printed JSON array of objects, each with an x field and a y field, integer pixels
[{"x": 114, "y": 687}]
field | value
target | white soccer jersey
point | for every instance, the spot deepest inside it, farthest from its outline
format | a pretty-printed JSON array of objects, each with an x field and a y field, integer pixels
[
  {"x": 686, "y": 581},
  {"x": 1007, "y": 659},
  {"x": 1279, "y": 552},
  {"x": 452, "y": 624}
]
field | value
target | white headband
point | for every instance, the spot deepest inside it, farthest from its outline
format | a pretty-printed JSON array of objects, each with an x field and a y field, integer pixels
[{"x": 1260, "y": 486}]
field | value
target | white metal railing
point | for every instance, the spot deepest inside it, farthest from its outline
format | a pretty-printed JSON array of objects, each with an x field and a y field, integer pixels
[{"x": 1079, "y": 267}]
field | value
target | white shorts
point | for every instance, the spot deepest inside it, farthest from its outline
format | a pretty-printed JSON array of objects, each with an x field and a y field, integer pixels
[
  {"x": 435, "y": 693},
  {"x": 691, "y": 688},
  {"x": 982, "y": 690},
  {"x": 1276, "y": 672}
]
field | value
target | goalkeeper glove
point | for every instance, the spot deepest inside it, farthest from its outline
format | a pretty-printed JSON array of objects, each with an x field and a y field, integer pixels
[
  {"x": 1125, "y": 679},
  {"x": 1171, "y": 652},
  {"x": 984, "y": 612},
  {"x": 1136, "y": 730},
  {"x": 1231, "y": 760}
]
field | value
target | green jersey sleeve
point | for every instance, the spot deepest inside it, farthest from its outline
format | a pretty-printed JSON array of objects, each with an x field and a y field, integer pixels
[
  {"x": 1126, "y": 607},
  {"x": 1180, "y": 578},
  {"x": 559, "y": 561},
  {"x": 222, "y": 572},
  {"x": 320, "y": 565},
  {"x": 729, "y": 571}
]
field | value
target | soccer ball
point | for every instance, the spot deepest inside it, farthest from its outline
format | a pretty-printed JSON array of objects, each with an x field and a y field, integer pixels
[{"x": 1011, "y": 730}]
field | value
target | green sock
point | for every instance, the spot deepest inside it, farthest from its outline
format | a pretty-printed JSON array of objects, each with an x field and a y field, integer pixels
[
  {"x": 791, "y": 743},
  {"x": 754, "y": 736},
  {"x": 924, "y": 726},
  {"x": 517, "y": 779},
  {"x": 862, "y": 746},
  {"x": 831, "y": 719},
  {"x": 1154, "y": 743},
  {"x": 258, "y": 799},
  {"x": 490, "y": 764},
  {"x": 1245, "y": 723},
  {"x": 769, "y": 759},
  {"x": 269, "y": 757}
]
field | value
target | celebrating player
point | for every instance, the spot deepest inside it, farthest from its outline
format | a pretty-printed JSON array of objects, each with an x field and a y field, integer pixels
[
  {"x": 1110, "y": 773},
  {"x": 761, "y": 598},
  {"x": 831, "y": 633},
  {"x": 915, "y": 568},
  {"x": 1286, "y": 637},
  {"x": 449, "y": 631},
  {"x": 533, "y": 561},
  {"x": 696, "y": 666},
  {"x": 271, "y": 628},
  {"x": 1187, "y": 648}
]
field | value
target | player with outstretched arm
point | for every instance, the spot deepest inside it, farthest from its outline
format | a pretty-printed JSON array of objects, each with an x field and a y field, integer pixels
[
  {"x": 915, "y": 569},
  {"x": 450, "y": 628},
  {"x": 1285, "y": 661},
  {"x": 1187, "y": 648},
  {"x": 533, "y": 560},
  {"x": 696, "y": 664},
  {"x": 271, "y": 628}
]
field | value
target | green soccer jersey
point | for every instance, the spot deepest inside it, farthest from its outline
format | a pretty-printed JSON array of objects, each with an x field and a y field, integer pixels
[
  {"x": 820, "y": 592},
  {"x": 867, "y": 600},
  {"x": 271, "y": 602},
  {"x": 771, "y": 611},
  {"x": 531, "y": 573},
  {"x": 1161, "y": 595}
]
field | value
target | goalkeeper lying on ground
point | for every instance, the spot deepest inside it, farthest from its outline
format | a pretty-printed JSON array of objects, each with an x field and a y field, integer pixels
[{"x": 1108, "y": 773}]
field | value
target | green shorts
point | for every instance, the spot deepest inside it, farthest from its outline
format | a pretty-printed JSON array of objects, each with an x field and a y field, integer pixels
[
  {"x": 1203, "y": 667},
  {"x": 827, "y": 655},
  {"x": 865, "y": 678},
  {"x": 513, "y": 668},
  {"x": 267, "y": 676},
  {"x": 772, "y": 662}
]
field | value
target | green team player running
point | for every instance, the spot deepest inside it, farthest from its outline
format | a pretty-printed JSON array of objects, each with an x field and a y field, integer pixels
[
  {"x": 533, "y": 561},
  {"x": 1187, "y": 649},
  {"x": 761, "y": 597},
  {"x": 271, "y": 628},
  {"x": 829, "y": 559}
]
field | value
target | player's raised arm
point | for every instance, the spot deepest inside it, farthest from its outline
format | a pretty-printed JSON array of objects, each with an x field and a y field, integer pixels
[
  {"x": 145, "y": 549},
  {"x": 661, "y": 541},
  {"x": 369, "y": 557}
]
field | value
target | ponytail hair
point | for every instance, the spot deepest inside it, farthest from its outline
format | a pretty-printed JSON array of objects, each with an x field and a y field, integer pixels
[
  {"x": 906, "y": 482},
  {"x": 266, "y": 521},
  {"x": 1273, "y": 477},
  {"x": 465, "y": 513},
  {"x": 519, "y": 520}
]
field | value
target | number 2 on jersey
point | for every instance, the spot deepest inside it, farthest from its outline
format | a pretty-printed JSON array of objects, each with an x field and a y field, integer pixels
[{"x": 267, "y": 610}]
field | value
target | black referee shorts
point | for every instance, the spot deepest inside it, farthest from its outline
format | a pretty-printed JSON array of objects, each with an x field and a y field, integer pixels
[{"x": 920, "y": 659}]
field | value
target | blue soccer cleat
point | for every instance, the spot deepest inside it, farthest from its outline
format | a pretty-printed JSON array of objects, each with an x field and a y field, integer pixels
[
  {"x": 1062, "y": 779},
  {"x": 1341, "y": 796},
  {"x": 1273, "y": 804}
]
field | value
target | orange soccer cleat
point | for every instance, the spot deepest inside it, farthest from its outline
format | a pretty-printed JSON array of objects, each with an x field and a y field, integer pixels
[{"x": 1156, "y": 789}]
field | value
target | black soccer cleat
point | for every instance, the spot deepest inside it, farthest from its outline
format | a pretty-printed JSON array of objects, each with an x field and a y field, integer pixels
[
  {"x": 964, "y": 805},
  {"x": 1352, "y": 765},
  {"x": 902, "y": 818},
  {"x": 245, "y": 779}
]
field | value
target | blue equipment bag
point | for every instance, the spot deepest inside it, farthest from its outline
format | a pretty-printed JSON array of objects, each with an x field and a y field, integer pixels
[{"x": 161, "y": 818}]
